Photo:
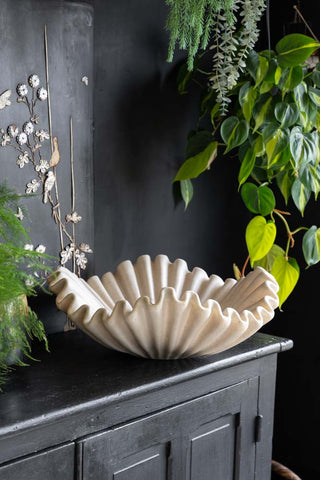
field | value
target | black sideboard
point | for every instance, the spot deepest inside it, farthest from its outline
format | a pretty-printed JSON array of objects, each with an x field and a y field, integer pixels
[{"x": 87, "y": 413}]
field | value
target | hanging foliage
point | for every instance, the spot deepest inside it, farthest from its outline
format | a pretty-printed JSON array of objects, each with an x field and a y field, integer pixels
[{"x": 231, "y": 25}]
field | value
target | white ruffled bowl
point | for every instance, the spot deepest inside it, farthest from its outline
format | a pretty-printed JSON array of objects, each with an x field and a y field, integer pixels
[{"x": 159, "y": 309}]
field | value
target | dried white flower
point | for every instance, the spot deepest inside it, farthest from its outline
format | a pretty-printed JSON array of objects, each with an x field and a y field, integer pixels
[
  {"x": 43, "y": 166},
  {"x": 85, "y": 80},
  {"x": 28, "y": 128},
  {"x": 22, "y": 138},
  {"x": 81, "y": 259},
  {"x": 34, "y": 80},
  {"x": 42, "y": 135},
  {"x": 23, "y": 159},
  {"x": 19, "y": 214},
  {"x": 22, "y": 90},
  {"x": 13, "y": 131},
  {"x": 74, "y": 217},
  {"x": 40, "y": 248},
  {"x": 42, "y": 94},
  {"x": 66, "y": 254},
  {"x": 35, "y": 119},
  {"x": 33, "y": 186},
  {"x": 5, "y": 140},
  {"x": 85, "y": 248},
  {"x": 28, "y": 246}
]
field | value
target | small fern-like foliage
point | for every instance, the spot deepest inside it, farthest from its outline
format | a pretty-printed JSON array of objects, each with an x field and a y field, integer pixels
[{"x": 232, "y": 25}]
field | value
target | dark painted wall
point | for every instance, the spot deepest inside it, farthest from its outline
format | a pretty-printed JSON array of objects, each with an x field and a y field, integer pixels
[{"x": 70, "y": 51}]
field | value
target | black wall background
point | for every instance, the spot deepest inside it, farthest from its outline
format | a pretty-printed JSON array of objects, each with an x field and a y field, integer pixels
[{"x": 141, "y": 125}]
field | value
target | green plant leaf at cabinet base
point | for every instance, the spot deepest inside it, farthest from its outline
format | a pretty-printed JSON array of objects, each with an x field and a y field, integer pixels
[
  {"x": 286, "y": 271},
  {"x": 193, "y": 166}
]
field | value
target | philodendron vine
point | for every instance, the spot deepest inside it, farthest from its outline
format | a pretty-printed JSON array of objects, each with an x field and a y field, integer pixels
[{"x": 273, "y": 126}]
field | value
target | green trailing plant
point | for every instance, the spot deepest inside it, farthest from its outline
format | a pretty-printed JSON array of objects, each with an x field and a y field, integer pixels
[
  {"x": 21, "y": 272},
  {"x": 273, "y": 127},
  {"x": 231, "y": 25}
]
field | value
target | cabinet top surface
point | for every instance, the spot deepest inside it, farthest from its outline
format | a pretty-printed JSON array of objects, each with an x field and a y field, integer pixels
[{"x": 79, "y": 373}]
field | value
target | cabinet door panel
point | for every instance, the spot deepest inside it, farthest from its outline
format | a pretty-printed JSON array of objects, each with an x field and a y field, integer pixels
[
  {"x": 54, "y": 464},
  {"x": 203, "y": 439},
  {"x": 212, "y": 450}
]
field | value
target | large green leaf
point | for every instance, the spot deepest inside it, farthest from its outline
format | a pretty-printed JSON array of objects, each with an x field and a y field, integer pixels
[
  {"x": 246, "y": 166},
  {"x": 234, "y": 132},
  {"x": 252, "y": 64},
  {"x": 260, "y": 236},
  {"x": 285, "y": 181},
  {"x": 300, "y": 194},
  {"x": 290, "y": 78},
  {"x": 247, "y": 98},
  {"x": 186, "y": 189},
  {"x": 286, "y": 271},
  {"x": 314, "y": 94},
  {"x": 258, "y": 199},
  {"x": 286, "y": 113},
  {"x": 262, "y": 70},
  {"x": 261, "y": 111},
  {"x": 194, "y": 166},
  {"x": 308, "y": 112},
  {"x": 267, "y": 261},
  {"x": 294, "y": 49},
  {"x": 311, "y": 245},
  {"x": 309, "y": 176},
  {"x": 303, "y": 147},
  {"x": 276, "y": 140}
]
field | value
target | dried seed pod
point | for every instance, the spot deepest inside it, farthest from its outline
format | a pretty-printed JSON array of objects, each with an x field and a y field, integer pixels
[
  {"x": 22, "y": 90},
  {"x": 34, "y": 81},
  {"x": 28, "y": 128},
  {"x": 42, "y": 94},
  {"x": 13, "y": 131},
  {"x": 22, "y": 138}
]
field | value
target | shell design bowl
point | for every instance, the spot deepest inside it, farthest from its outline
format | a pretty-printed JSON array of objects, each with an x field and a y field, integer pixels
[{"x": 159, "y": 309}]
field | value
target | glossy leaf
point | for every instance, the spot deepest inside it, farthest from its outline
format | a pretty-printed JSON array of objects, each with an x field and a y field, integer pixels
[
  {"x": 234, "y": 132},
  {"x": 261, "y": 111},
  {"x": 252, "y": 64},
  {"x": 258, "y": 199},
  {"x": 286, "y": 271},
  {"x": 246, "y": 166},
  {"x": 197, "y": 142},
  {"x": 194, "y": 166},
  {"x": 262, "y": 70},
  {"x": 267, "y": 261},
  {"x": 276, "y": 140},
  {"x": 286, "y": 113},
  {"x": 309, "y": 176},
  {"x": 260, "y": 236},
  {"x": 315, "y": 77},
  {"x": 294, "y": 49},
  {"x": 247, "y": 98},
  {"x": 311, "y": 245},
  {"x": 285, "y": 181},
  {"x": 186, "y": 189},
  {"x": 290, "y": 78},
  {"x": 314, "y": 94},
  {"x": 302, "y": 146},
  {"x": 300, "y": 194}
]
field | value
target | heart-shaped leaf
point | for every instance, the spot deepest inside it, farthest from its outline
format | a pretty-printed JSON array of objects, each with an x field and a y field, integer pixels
[
  {"x": 260, "y": 236},
  {"x": 267, "y": 261},
  {"x": 285, "y": 181},
  {"x": 258, "y": 199},
  {"x": 246, "y": 166},
  {"x": 247, "y": 98},
  {"x": 300, "y": 194},
  {"x": 294, "y": 49},
  {"x": 286, "y": 113},
  {"x": 303, "y": 147},
  {"x": 286, "y": 271},
  {"x": 186, "y": 189},
  {"x": 311, "y": 245},
  {"x": 290, "y": 78},
  {"x": 194, "y": 166},
  {"x": 234, "y": 132}
]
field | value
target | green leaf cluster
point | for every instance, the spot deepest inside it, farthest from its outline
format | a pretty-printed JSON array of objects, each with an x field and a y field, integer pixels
[
  {"x": 18, "y": 323},
  {"x": 274, "y": 127}
]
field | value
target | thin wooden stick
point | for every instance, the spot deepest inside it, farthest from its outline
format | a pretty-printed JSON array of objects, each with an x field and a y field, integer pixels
[
  {"x": 73, "y": 193},
  {"x": 305, "y": 22},
  {"x": 46, "y": 58}
]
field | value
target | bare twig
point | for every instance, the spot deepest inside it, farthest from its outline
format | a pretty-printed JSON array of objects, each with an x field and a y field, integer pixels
[
  {"x": 50, "y": 131},
  {"x": 306, "y": 23},
  {"x": 73, "y": 193}
]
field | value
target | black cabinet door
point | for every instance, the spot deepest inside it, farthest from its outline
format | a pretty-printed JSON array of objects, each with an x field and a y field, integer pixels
[
  {"x": 54, "y": 464},
  {"x": 209, "y": 438}
]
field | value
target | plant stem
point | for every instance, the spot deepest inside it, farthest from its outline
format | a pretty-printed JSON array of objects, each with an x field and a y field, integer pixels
[
  {"x": 72, "y": 193},
  {"x": 290, "y": 241},
  {"x": 245, "y": 266},
  {"x": 305, "y": 22}
]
